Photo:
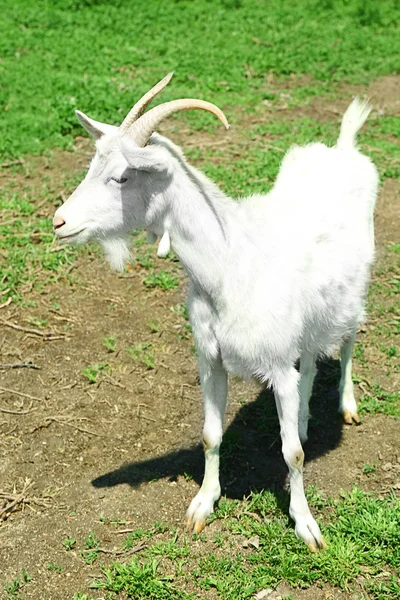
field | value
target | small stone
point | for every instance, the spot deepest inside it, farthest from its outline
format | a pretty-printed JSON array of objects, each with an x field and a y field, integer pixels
[
  {"x": 263, "y": 594},
  {"x": 253, "y": 541},
  {"x": 387, "y": 466}
]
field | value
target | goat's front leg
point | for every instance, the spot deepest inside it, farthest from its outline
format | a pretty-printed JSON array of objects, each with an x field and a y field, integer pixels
[
  {"x": 213, "y": 378},
  {"x": 287, "y": 404}
]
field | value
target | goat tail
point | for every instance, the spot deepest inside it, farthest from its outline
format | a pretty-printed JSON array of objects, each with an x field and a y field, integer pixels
[{"x": 353, "y": 119}]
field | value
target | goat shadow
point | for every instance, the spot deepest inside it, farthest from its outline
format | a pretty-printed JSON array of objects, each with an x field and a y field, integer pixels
[{"x": 251, "y": 458}]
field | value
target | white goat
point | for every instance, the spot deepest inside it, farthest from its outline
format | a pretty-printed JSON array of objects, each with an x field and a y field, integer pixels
[{"x": 273, "y": 279}]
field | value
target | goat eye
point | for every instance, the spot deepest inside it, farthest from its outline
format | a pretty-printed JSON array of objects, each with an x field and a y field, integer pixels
[{"x": 119, "y": 179}]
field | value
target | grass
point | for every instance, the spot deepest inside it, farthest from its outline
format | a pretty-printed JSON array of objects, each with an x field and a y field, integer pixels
[
  {"x": 26, "y": 245},
  {"x": 165, "y": 280},
  {"x": 99, "y": 57},
  {"x": 92, "y": 372},
  {"x": 369, "y": 469},
  {"x": 181, "y": 310},
  {"x": 110, "y": 342},
  {"x": 145, "y": 259},
  {"x": 91, "y": 551},
  {"x": 140, "y": 581},
  {"x": 14, "y": 588},
  {"x": 30, "y": 259},
  {"x": 54, "y": 567},
  {"x": 154, "y": 326},
  {"x": 362, "y": 532},
  {"x": 380, "y": 402},
  {"x": 69, "y": 543},
  {"x": 143, "y": 353}
]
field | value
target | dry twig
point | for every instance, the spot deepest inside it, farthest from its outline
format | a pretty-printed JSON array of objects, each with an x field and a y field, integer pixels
[
  {"x": 62, "y": 317},
  {"x": 124, "y": 530},
  {"x": 17, "y": 412},
  {"x": 49, "y": 335},
  {"x": 61, "y": 421},
  {"x": 69, "y": 386},
  {"x": 19, "y": 161},
  {"x": 11, "y": 501},
  {"x": 27, "y": 365},
  {"x": 23, "y": 394},
  {"x": 6, "y": 303},
  {"x": 124, "y": 554},
  {"x": 121, "y": 553},
  {"x": 112, "y": 381}
]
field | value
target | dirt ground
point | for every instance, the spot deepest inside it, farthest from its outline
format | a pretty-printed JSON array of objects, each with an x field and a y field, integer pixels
[{"x": 121, "y": 448}]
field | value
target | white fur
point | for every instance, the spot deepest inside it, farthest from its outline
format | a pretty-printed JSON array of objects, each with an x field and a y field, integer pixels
[
  {"x": 273, "y": 278},
  {"x": 165, "y": 245}
]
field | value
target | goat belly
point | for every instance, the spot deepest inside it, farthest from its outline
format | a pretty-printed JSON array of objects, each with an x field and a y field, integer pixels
[
  {"x": 253, "y": 353},
  {"x": 236, "y": 367}
]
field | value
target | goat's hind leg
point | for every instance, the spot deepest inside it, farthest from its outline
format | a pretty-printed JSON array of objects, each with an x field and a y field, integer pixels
[
  {"x": 287, "y": 403},
  {"x": 213, "y": 378},
  {"x": 308, "y": 370},
  {"x": 347, "y": 404}
]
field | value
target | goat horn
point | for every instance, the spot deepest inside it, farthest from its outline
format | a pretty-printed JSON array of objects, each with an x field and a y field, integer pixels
[
  {"x": 142, "y": 104},
  {"x": 142, "y": 129}
]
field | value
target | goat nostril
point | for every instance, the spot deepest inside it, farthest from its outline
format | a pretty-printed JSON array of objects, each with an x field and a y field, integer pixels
[{"x": 58, "y": 222}]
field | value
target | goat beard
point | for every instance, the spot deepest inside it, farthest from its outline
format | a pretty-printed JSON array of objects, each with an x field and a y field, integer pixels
[{"x": 117, "y": 252}]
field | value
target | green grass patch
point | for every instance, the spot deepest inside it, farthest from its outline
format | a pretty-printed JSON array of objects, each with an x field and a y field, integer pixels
[
  {"x": 26, "y": 249},
  {"x": 143, "y": 353},
  {"x": 92, "y": 372},
  {"x": 68, "y": 543},
  {"x": 362, "y": 531},
  {"x": 91, "y": 550},
  {"x": 54, "y": 567},
  {"x": 165, "y": 280},
  {"x": 110, "y": 342},
  {"x": 101, "y": 56},
  {"x": 145, "y": 259},
  {"x": 378, "y": 401},
  {"x": 140, "y": 581},
  {"x": 14, "y": 588}
]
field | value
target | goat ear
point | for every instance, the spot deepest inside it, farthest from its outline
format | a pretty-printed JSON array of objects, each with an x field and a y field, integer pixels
[
  {"x": 149, "y": 158},
  {"x": 95, "y": 128}
]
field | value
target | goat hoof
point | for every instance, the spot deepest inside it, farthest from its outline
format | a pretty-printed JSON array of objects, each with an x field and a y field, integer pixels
[
  {"x": 189, "y": 525},
  {"x": 320, "y": 545},
  {"x": 195, "y": 526},
  {"x": 199, "y": 526},
  {"x": 349, "y": 417},
  {"x": 307, "y": 530},
  {"x": 199, "y": 510}
]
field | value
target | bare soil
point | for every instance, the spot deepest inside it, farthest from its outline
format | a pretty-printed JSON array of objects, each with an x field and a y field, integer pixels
[{"x": 122, "y": 448}]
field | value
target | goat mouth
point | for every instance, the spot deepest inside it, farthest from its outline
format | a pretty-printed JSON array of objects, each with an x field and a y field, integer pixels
[{"x": 69, "y": 236}]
